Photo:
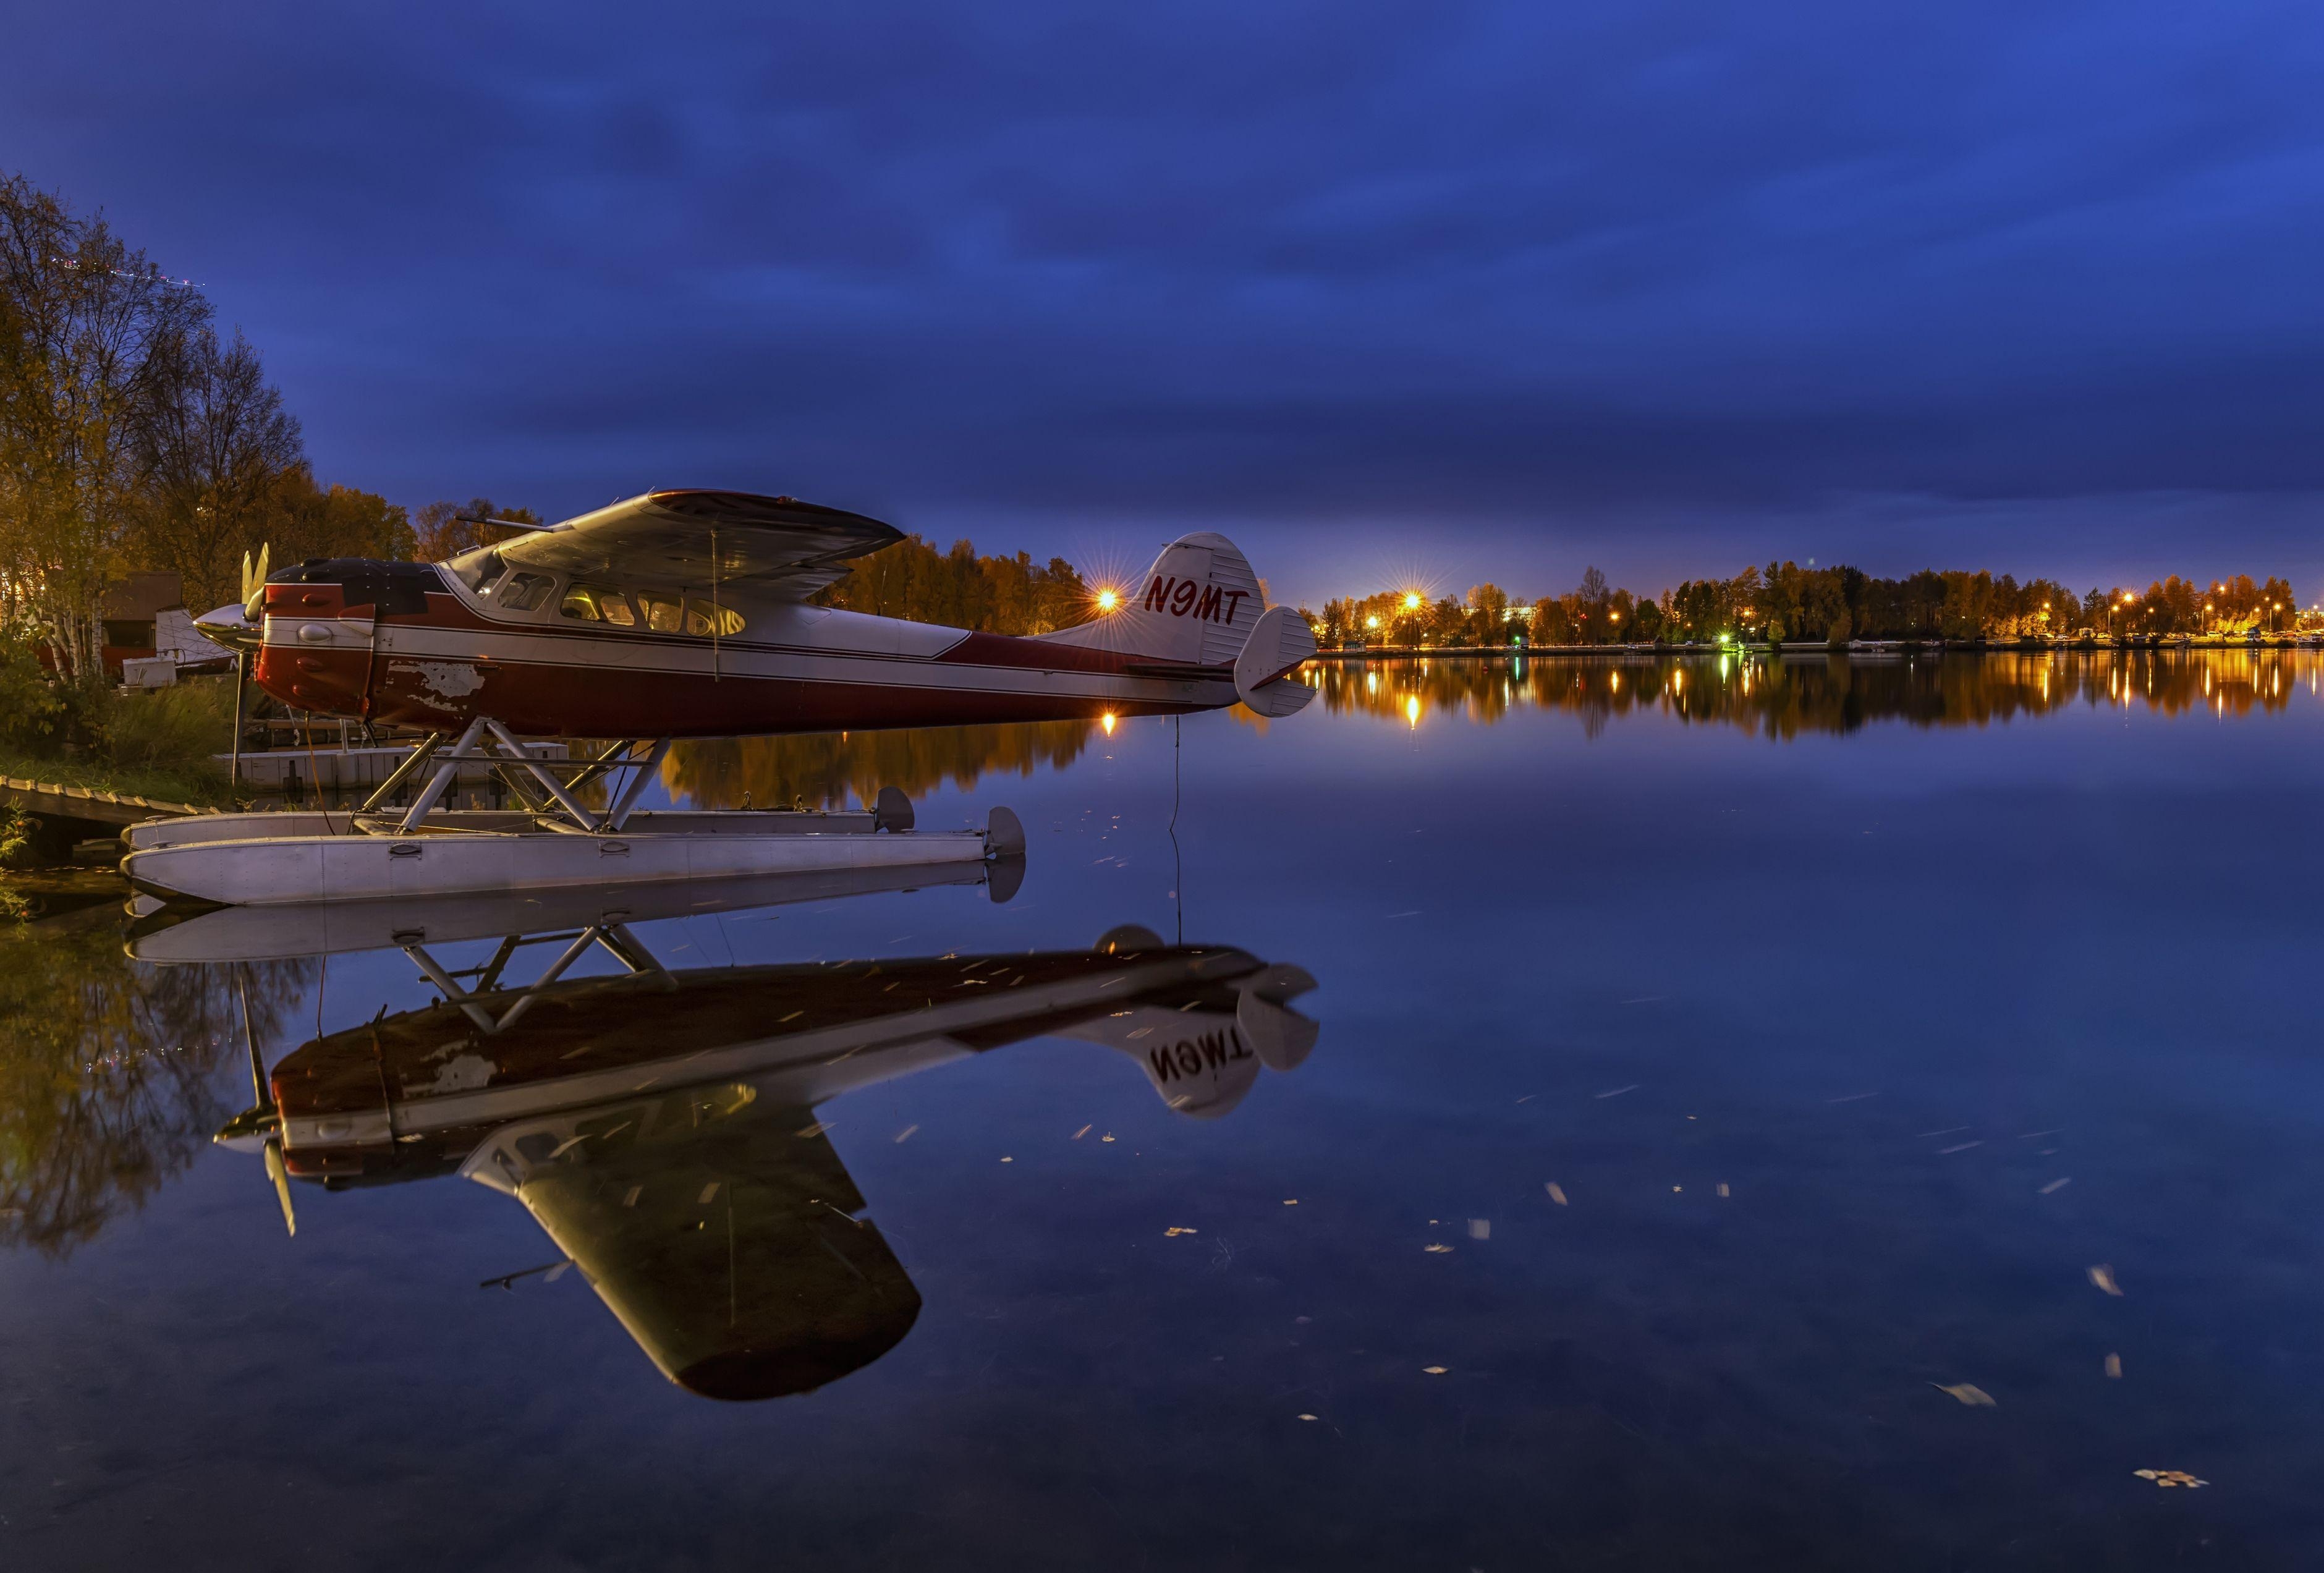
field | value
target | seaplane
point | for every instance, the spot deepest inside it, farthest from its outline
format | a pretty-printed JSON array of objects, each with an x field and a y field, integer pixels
[
  {"x": 670, "y": 615},
  {"x": 669, "y": 1130}
]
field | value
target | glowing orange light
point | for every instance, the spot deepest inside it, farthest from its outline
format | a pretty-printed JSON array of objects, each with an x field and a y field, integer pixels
[
  {"x": 1412, "y": 710},
  {"x": 1411, "y": 601},
  {"x": 1106, "y": 720},
  {"x": 1107, "y": 600}
]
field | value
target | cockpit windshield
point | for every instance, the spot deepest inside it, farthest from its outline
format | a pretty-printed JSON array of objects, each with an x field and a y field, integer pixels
[{"x": 478, "y": 568}]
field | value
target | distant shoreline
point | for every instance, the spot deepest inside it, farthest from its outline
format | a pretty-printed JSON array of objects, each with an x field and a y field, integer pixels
[{"x": 2156, "y": 642}]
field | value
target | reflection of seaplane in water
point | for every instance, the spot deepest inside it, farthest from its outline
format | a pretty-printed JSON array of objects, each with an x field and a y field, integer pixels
[
  {"x": 667, "y": 1129},
  {"x": 674, "y": 615}
]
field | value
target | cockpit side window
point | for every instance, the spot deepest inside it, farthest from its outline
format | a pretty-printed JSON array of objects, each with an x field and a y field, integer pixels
[
  {"x": 524, "y": 591},
  {"x": 663, "y": 614},
  {"x": 704, "y": 620},
  {"x": 595, "y": 603}
]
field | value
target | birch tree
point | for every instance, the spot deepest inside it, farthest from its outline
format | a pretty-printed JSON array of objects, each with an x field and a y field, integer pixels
[{"x": 90, "y": 333}]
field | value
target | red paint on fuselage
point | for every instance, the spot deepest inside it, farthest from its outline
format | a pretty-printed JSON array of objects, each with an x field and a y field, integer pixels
[{"x": 511, "y": 672}]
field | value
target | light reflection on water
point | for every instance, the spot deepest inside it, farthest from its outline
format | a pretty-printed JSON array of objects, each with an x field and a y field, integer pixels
[
  {"x": 1779, "y": 698},
  {"x": 1849, "y": 1061}
]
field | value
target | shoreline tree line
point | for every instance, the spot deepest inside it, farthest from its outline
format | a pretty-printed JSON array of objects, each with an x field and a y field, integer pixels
[{"x": 1786, "y": 602}]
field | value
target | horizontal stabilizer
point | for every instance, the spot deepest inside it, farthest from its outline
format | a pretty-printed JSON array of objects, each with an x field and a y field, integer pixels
[{"x": 1279, "y": 644}]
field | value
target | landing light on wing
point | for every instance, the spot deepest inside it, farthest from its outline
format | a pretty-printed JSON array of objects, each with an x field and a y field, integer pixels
[{"x": 1107, "y": 600}]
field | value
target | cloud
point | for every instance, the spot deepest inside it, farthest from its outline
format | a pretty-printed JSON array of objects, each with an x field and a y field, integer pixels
[{"x": 1307, "y": 264}]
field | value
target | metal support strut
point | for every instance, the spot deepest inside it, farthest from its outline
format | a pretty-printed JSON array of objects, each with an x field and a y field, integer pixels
[
  {"x": 413, "y": 763},
  {"x": 516, "y": 765},
  {"x": 647, "y": 770},
  {"x": 617, "y": 940},
  {"x": 556, "y": 789},
  {"x": 445, "y": 772}
]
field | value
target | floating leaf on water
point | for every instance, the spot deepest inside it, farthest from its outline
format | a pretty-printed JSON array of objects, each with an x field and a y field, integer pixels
[
  {"x": 1435, "y": 1370},
  {"x": 1557, "y": 1194},
  {"x": 1175, "y": 1229},
  {"x": 1722, "y": 1189},
  {"x": 1081, "y": 1133},
  {"x": 1007, "y": 1160},
  {"x": 2055, "y": 1186},
  {"x": 1105, "y": 1139},
  {"x": 905, "y": 1135},
  {"x": 1959, "y": 1147},
  {"x": 2169, "y": 1477},
  {"x": 1437, "y": 1250},
  {"x": 1306, "y": 1417},
  {"x": 1290, "y": 1201},
  {"x": 1969, "y": 1392},
  {"x": 2103, "y": 1276},
  {"x": 1617, "y": 1091},
  {"x": 2114, "y": 1366}
]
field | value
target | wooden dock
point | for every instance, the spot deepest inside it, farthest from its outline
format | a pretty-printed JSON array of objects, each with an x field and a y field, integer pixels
[{"x": 52, "y": 800}]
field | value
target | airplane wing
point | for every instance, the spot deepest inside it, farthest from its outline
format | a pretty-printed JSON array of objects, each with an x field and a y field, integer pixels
[{"x": 685, "y": 539}]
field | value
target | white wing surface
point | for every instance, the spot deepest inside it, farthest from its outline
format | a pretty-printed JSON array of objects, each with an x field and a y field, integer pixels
[{"x": 772, "y": 546}]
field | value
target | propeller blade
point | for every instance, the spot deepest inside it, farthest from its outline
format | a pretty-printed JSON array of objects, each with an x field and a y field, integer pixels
[
  {"x": 254, "y": 589},
  {"x": 245, "y": 579},
  {"x": 281, "y": 1177}
]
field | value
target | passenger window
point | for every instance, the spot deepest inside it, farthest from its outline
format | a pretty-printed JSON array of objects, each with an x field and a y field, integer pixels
[
  {"x": 523, "y": 591},
  {"x": 663, "y": 614},
  {"x": 703, "y": 618},
  {"x": 594, "y": 603}
]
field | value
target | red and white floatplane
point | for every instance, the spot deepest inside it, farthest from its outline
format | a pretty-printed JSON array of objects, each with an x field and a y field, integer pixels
[{"x": 674, "y": 614}]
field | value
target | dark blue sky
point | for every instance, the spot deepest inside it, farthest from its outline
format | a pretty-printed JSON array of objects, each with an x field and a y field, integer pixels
[{"x": 1469, "y": 290}]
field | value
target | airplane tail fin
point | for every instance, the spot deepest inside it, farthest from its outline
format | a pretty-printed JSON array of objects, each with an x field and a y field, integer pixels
[
  {"x": 1203, "y": 1062},
  {"x": 1198, "y": 605}
]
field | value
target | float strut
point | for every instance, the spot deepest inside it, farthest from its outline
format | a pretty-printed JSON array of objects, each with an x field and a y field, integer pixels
[
  {"x": 565, "y": 800},
  {"x": 619, "y": 814},
  {"x": 411, "y": 765},
  {"x": 434, "y": 790}
]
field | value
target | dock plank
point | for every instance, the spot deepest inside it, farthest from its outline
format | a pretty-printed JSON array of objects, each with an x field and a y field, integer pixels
[{"x": 57, "y": 800}]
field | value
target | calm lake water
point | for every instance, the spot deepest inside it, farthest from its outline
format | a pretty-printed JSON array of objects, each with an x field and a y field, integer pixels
[{"x": 1816, "y": 1115}]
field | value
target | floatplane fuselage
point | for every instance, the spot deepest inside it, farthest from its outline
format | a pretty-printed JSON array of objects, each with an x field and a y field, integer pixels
[{"x": 642, "y": 622}]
